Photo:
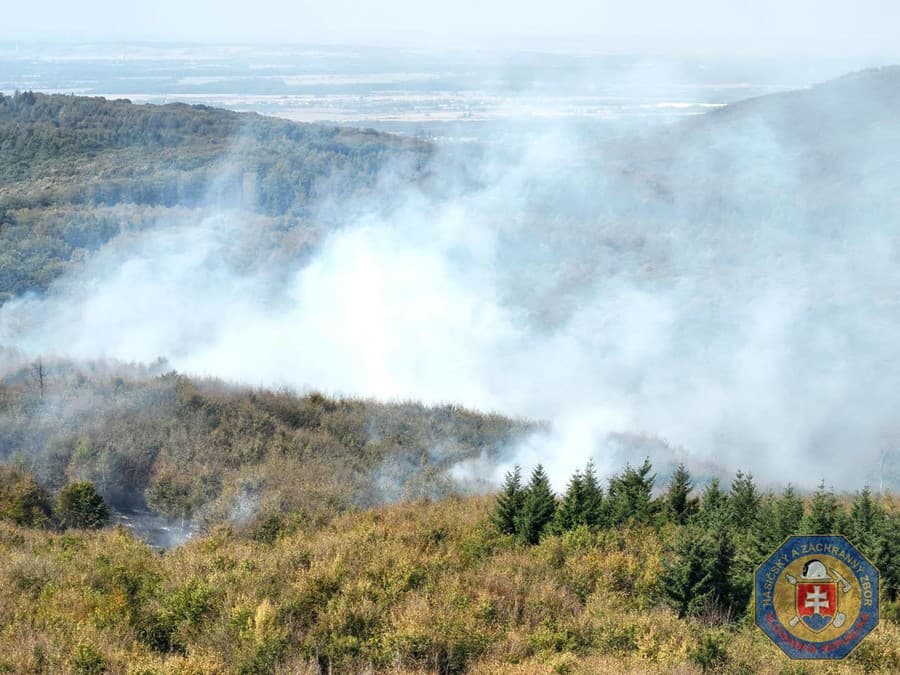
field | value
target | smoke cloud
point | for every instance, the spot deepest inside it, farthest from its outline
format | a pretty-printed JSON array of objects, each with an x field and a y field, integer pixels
[{"x": 721, "y": 292}]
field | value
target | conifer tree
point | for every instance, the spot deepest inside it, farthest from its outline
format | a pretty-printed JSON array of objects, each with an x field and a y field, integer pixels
[
  {"x": 714, "y": 505},
  {"x": 593, "y": 508},
  {"x": 583, "y": 502},
  {"x": 862, "y": 527},
  {"x": 538, "y": 507},
  {"x": 741, "y": 551},
  {"x": 824, "y": 512},
  {"x": 678, "y": 500},
  {"x": 568, "y": 515},
  {"x": 509, "y": 502},
  {"x": 631, "y": 495},
  {"x": 696, "y": 573},
  {"x": 728, "y": 595},
  {"x": 873, "y": 529},
  {"x": 787, "y": 514},
  {"x": 744, "y": 501},
  {"x": 886, "y": 555},
  {"x": 713, "y": 497}
]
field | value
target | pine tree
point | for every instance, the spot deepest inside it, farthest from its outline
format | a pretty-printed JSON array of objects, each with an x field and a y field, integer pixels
[
  {"x": 538, "y": 507},
  {"x": 787, "y": 514},
  {"x": 778, "y": 519},
  {"x": 873, "y": 529},
  {"x": 728, "y": 595},
  {"x": 824, "y": 512},
  {"x": 679, "y": 503},
  {"x": 863, "y": 524},
  {"x": 583, "y": 502},
  {"x": 745, "y": 549},
  {"x": 886, "y": 555},
  {"x": 568, "y": 515},
  {"x": 593, "y": 507},
  {"x": 509, "y": 502},
  {"x": 631, "y": 495},
  {"x": 744, "y": 501},
  {"x": 714, "y": 505},
  {"x": 696, "y": 572}
]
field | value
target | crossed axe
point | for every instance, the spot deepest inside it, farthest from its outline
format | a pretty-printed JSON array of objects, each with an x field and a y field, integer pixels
[{"x": 840, "y": 617}]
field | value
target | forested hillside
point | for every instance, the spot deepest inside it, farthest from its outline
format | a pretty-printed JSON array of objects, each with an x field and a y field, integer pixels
[
  {"x": 76, "y": 171},
  {"x": 815, "y": 157}
]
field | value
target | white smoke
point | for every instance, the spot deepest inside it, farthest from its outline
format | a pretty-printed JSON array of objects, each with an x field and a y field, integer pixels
[{"x": 566, "y": 288}]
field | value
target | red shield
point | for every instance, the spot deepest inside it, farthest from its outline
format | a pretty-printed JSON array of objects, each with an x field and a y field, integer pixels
[{"x": 817, "y": 603}]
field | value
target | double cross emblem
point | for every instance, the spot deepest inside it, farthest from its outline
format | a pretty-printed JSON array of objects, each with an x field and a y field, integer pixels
[{"x": 817, "y": 596}]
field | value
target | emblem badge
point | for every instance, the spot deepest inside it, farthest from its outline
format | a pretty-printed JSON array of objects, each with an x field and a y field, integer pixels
[{"x": 816, "y": 597}]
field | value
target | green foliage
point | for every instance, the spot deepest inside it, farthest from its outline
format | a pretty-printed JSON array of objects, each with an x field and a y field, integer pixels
[
  {"x": 509, "y": 502},
  {"x": 22, "y": 501},
  {"x": 582, "y": 503},
  {"x": 82, "y": 507},
  {"x": 77, "y": 171},
  {"x": 744, "y": 501},
  {"x": 631, "y": 495},
  {"x": 679, "y": 503},
  {"x": 785, "y": 517},
  {"x": 714, "y": 510},
  {"x": 825, "y": 513},
  {"x": 87, "y": 661},
  {"x": 710, "y": 652},
  {"x": 182, "y": 613},
  {"x": 862, "y": 526},
  {"x": 873, "y": 529},
  {"x": 538, "y": 507},
  {"x": 885, "y": 553},
  {"x": 696, "y": 576},
  {"x": 264, "y": 658}
]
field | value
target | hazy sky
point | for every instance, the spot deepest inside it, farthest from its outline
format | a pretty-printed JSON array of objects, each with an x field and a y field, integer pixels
[{"x": 757, "y": 27}]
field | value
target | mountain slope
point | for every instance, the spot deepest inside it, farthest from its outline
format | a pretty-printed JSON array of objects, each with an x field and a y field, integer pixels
[
  {"x": 200, "y": 449},
  {"x": 76, "y": 171}
]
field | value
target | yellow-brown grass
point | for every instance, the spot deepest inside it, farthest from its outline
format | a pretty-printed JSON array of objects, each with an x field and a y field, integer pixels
[{"x": 412, "y": 588}]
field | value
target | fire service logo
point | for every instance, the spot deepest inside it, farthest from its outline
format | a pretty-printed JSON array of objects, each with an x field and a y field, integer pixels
[{"x": 816, "y": 597}]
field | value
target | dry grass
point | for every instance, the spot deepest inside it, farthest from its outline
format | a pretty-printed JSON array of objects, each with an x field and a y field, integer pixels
[{"x": 413, "y": 588}]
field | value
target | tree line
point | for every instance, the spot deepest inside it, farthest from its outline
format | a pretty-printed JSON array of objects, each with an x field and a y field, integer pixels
[
  {"x": 719, "y": 536},
  {"x": 76, "y": 171}
]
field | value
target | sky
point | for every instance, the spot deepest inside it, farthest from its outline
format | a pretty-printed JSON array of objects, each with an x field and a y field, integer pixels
[{"x": 758, "y": 28}]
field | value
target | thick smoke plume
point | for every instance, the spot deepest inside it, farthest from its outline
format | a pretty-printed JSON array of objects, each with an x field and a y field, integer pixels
[{"x": 723, "y": 291}]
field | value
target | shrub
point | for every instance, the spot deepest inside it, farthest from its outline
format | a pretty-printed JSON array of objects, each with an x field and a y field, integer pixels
[
  {"x": 82, "y": 507},
  {"x": 22, "y": 501},
  {"x": 87, "y": 661},
  {"x": 709, "y": 653}
]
